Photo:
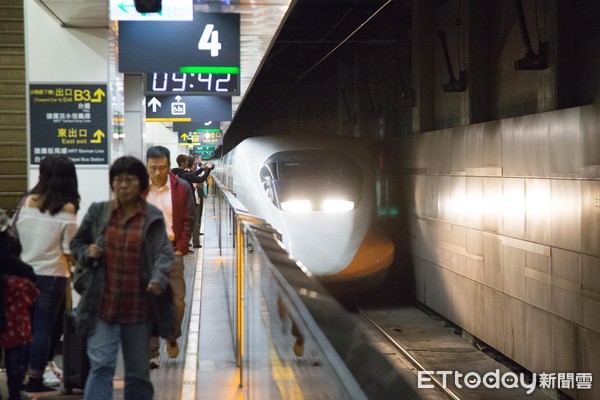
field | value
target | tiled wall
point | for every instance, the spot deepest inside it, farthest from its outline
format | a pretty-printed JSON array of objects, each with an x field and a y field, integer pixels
[{"x": 505, "y": 227}]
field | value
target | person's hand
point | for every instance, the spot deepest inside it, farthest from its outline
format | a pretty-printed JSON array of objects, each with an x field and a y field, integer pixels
[
  {"x": 94, "y": 251},
  {"x": 154, "y": 288}
]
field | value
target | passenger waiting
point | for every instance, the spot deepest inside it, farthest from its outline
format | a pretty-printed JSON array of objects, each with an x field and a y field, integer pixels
[
  {"x": 195, "y": 175},
  {"x": 46, "y": 222},
  {"x": 17, "y": 293}
]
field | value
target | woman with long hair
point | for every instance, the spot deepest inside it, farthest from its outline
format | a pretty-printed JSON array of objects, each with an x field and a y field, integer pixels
[{"x": 46, "y": 223}]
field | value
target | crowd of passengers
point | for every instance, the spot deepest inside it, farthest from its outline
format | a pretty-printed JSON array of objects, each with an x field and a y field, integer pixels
[{"x": 125, "y": 259}]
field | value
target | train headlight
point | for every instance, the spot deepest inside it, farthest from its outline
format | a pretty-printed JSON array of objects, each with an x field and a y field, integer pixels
[
  {"x": 336, "y": 205},
  {"x": 296, "y": 205}
]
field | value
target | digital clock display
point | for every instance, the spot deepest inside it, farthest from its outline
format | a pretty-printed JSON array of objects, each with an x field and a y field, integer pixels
[{"x": 177, "y": 82}]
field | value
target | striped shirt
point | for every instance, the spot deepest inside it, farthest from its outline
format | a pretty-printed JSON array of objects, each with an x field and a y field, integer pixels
[{"x": 125, "y": 300}]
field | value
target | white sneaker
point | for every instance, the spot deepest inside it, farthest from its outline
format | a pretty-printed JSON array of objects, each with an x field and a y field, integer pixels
[
  {"x": 50, "y": 379},
  {"x": 54, "y": 368}
]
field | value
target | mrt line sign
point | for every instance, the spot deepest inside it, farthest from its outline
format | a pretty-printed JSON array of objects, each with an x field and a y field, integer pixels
[
  {"x": 70, "y": 120},
  {"x": 211, "y": 40}
]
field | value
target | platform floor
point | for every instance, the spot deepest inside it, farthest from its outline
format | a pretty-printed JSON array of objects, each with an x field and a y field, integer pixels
[{"x": 206, "y": 367}]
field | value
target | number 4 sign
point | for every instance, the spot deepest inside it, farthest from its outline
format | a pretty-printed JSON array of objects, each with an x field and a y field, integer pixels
[{"x": 210, "y": 40}]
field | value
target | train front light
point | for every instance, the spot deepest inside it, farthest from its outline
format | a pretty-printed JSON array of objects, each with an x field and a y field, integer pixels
[
  {"x": 337, "y": 205},
  {"x": 296, "y": 206}
]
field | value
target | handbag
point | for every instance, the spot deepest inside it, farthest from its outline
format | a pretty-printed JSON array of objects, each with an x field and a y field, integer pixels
[{"x": 83, "y": 276}]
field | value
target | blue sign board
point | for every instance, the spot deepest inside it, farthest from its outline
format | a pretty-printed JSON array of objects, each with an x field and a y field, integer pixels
[
  {"x": 187, "y": 84},
  {"x": 69, "y": 120},
  {"x": 187, "y": 108},
  {"x": 195, "y": 126},
  {"x": 210, "y": 40}
]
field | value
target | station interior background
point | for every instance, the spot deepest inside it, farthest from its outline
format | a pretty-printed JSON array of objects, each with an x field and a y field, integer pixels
[{"x": 494, "y": 171}]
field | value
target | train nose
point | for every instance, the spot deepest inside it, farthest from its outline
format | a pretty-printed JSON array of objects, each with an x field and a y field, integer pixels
[
  {"x": 342, "y": 257},
  {"x": 374, "y": 256},
  {"x": 323, "y": 254}
]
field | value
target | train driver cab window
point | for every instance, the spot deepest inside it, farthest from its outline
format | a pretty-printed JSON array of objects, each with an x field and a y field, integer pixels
[
  {"x": 312, "y": 180},
  {"x": 268, "y": 172}
]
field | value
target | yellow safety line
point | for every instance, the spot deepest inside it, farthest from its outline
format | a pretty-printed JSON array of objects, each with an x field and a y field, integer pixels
[{"x": 190, "y": 369}]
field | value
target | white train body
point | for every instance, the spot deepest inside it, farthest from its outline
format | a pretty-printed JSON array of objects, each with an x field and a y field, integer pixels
[{"x": 318, "y": 191}]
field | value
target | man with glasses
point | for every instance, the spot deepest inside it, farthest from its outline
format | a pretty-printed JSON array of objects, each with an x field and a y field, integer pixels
[{"x": 175, "y": 199}]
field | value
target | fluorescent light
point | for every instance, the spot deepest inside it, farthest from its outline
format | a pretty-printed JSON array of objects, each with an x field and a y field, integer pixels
[
  {"x": 337, "y": 205},
  {"x": 296, "y": 206}
]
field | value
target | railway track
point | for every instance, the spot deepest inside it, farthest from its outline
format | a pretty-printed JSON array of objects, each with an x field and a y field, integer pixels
[
  {"x": 408, "y": 358},
  {"x": 441, "y": 361}
]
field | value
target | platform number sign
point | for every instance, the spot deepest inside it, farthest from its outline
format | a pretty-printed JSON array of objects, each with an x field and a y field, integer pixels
[{"x": 211, "y": 40}]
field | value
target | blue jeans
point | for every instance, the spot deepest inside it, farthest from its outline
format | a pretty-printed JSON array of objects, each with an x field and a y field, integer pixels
[
  {"x": 13, "y": 359},
  {"x": 46, "y": 311},
  {"x": 102, "y": 350}
]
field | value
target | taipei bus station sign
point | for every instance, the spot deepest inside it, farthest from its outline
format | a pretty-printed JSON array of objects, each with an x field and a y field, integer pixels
[{"x": 69, "y": 120}]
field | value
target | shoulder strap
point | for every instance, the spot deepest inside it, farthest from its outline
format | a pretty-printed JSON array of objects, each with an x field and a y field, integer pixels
[
  {"x": 106, "y": 211},
  {"x": 13, "y": 225}
]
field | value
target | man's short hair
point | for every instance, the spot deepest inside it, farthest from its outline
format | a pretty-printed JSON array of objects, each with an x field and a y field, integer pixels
[
  {"x": 182, "y": 160},
  {"x": 158, "y": 152},
  {"x": 190, "y": 161}
]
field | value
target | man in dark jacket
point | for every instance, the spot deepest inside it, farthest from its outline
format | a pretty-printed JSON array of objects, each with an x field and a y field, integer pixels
[
  {"x": 174, "y": 198},
  {"x": 195, "y": 177}
]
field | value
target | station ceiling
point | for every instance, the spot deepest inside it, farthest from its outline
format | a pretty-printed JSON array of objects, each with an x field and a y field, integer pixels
[{"x": 281, "y": 39}]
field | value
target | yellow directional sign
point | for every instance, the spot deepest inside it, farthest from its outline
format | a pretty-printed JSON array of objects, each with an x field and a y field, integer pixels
[
  {"x": 98, "y": 95},
  {"x": 188, "y": 139},
  {"x": 69, "y": 119},
  {"x": 98, "y": 136}
]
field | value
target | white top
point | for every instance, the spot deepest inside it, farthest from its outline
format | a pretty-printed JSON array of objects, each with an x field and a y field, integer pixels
[{"x": 45, "y": 240}]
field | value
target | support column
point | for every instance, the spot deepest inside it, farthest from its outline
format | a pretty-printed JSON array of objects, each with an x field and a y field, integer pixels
[{"x": 135, "y": 116}]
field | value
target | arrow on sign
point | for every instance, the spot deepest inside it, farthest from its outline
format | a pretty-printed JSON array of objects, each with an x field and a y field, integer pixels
[
  {"x": 125, "y": 5},
  {"x": 154, "y": 103},
  {"x": 184, "y": 137},
  {"x": 98, "y": 94},
  {"x": 98, "y": 135}
]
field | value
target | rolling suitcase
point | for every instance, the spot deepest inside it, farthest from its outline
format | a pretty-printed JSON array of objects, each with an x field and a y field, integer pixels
[{"x": 76, "y": 364}]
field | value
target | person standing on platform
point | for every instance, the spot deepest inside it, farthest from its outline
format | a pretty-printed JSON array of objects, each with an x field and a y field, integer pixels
[
  {"x": 195, "y": 176},
  {"x": 17, "y": 293},
  {"x": 46, "y": 223},
  {"x": 126, "y": 257},
  {"x": 174, "y": 198}
]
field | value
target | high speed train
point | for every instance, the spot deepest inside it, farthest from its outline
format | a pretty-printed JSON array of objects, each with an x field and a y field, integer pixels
[{"x": 319, "y": 193}]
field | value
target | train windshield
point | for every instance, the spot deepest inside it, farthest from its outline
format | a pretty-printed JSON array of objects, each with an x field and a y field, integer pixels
[{"x": 312, "y": 180}]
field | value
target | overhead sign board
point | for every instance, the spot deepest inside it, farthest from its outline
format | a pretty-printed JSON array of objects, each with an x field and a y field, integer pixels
[
  {"x": 195, "y": 126},
  {"x": 70, "y": 120},
  {"x": 172, "y": 10},
  {"x": 187, "y": 108},
  {"x": 189, "y": 84},
  {"x": 208, "y": 44},
  {"x": 188, "y": 139},
  {"x": 205, "y": 150}
]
